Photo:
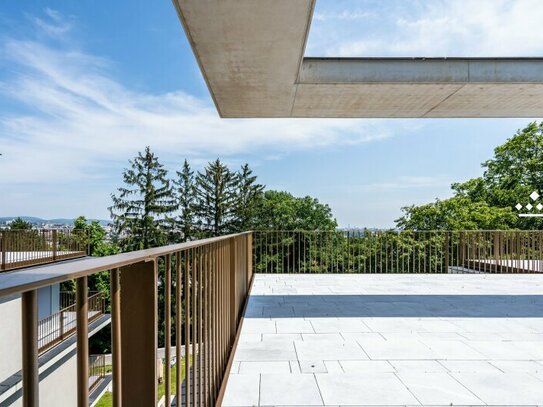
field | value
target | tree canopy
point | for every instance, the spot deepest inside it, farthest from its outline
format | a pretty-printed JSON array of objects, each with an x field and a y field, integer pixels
[
  {"x": 280, "y": 210},
  {"x": 488, "y": 202}
]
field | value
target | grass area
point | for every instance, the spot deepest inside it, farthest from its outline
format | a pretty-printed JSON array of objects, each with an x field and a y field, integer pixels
[{"x": 106, "y": 399}]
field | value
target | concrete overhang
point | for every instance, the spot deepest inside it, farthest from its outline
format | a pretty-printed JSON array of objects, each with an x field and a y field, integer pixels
[{"x": 251, "y": 53}]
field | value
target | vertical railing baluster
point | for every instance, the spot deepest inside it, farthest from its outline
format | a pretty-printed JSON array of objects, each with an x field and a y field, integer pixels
[{"x": 167, "y": 327}]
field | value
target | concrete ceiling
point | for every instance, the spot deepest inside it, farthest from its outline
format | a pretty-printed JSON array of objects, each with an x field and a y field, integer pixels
[{"x": 251, "y": 53}]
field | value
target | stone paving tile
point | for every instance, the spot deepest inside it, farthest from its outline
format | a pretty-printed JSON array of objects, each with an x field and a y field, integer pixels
[
  {"x": 289, "y": 390},
  {"x": 294, "y": 325},
  {"x": 264, "y": 367},
  {"x": 469, "y": 366},
  {"x": 518, "y": 366},
  {"x": 339, "y": 325},
  {"x": 364, "y": 389},
  {"x": 417, "y": 366},
  {"x": 314, "y": 366},
  {"x": 503, "y": 388},
  {"x": 439, "y": 389},
  {"x": 264, "y": 351},
  {"x": 349, "y": 339},
  {"x": 335, "y": 337},
  {"x": 242, "y": 390},
  {"x": 347, "y": 350},
  {"x": 366, "y": 366},
  {"x": 452, "y": 350},
  {"x": 398, "y": 349}
]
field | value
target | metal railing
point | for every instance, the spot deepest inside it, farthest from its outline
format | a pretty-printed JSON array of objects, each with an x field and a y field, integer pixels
[
  {"x": 211, "y": 280},
  {"x": 60, "y": 325},
  {"x": 23, "y": 248},
  {"x": 97, "y": 370},
  {"x": 365, "y": 251}
]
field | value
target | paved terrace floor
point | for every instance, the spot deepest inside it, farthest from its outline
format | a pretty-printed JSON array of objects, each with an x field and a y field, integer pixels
[{"x": 393, "y": 340}]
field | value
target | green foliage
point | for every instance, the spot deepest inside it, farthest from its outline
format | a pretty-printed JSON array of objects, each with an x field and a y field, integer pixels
[
  {"x": 457, "y": 213},
  {"x": 487, "y": 202},
  {"x": 186, "y": 202},
  {"x": 216, "y": 189},
  {"x": 280, "y": 210},
  {"x": 249, "y": 198},
  {"x": 20, "y": 224},
  {"x": 140, "y": 210}
]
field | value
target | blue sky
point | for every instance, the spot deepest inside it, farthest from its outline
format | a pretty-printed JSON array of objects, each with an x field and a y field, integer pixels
[{"x": 84, "y": 86}]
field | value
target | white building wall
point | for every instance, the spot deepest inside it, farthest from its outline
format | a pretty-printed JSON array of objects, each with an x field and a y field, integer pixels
[
  {"x": 10, "y": 336},
  {"x": 59, "y": 388}
]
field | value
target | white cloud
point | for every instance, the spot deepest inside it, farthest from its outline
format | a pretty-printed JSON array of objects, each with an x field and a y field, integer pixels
[
  {"x": 343, "y": 15},
  {"x": 77, "y": 120},
  {"x": 404, "y": 182},
  {"x": 438, "y": 28}
]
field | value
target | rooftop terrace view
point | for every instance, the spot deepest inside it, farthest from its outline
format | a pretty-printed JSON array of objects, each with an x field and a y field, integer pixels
[{"x": 190, "y": 280}]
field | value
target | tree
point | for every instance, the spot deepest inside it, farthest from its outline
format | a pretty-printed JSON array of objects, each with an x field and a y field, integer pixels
[
  {"x": 185, "y": 193},
  {"x": 94, "y": 237},
  {"x": 282, "y": 211},
  {"x": 20, "y": 224},
  {"x": 140, "y": 210},
  {"x": 487, "y": 202},
  {"x": 249, "y": 196},
  {"x": 457, "y": 213},
  {"x": 216, "y": 199}
]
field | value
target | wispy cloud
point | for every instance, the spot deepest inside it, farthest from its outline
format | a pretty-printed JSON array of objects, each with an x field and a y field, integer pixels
[
  {"x": 77, "y": 119},
  {"x": 349, "y": 15},
  {"x": 54, "y": 24},
  {"x": 436, "y": 28},
  {"x": 402, "y": 183}
]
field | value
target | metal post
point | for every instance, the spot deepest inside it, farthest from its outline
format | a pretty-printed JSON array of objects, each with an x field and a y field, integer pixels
[
  {"x": 54, "y": 245},
  {"x": 116, "y": 336},
  {"x": 3, "y": 247},
  {"x": 30, "y": 348},
  {"x": 139, "y": 306},
  {"x": 61, "y": 325},
  {"x": 233, "y": 289},
  {"x": 82, "y": 310},
  {"x": 167, "y": 328}
]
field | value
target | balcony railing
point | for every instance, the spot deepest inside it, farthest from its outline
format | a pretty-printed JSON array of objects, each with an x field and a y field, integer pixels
[
  {"x": 60, "y": 325},
  {"x": 398, "y": 252},
  {"x": 97, "y": 370},
  {"x": 211, "y": 279},
  {"x": 24, "y": 248}
]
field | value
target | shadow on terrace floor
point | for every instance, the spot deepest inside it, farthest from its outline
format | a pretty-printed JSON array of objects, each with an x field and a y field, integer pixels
[{"x": 413, "y": 306}]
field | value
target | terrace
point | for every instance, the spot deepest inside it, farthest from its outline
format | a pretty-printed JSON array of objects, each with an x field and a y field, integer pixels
[
  {"x": 22, "y": 248},
  {"x": 313, "y": 318}
]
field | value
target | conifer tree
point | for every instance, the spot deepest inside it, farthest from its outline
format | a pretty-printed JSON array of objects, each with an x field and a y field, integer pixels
[
  {"x": 249, "y": 195},
  {"x": 185, "y": 194},
  {"x": 216, "y": 199},
  {"x": 140, "y": 210}
]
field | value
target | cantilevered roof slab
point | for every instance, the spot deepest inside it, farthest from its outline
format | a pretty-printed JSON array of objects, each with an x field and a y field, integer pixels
[{"x": 251, "y": 53}]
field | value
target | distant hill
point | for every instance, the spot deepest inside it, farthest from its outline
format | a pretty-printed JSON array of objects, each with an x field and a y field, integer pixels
[{"x": 40, "y": 221}]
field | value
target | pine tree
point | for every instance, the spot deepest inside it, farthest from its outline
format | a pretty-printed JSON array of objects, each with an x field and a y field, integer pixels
[
  {"x": 249, "y": 195},
  {"x": 216, "y": 199},
  {"x": 140, "y": 211},
  {"x": 185, "y": 194}
]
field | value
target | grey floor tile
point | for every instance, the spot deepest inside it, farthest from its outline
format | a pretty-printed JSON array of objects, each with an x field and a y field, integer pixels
[
  {"x": 242, "y": 390},
  {"x": 346, "y": 350},
  {"x": 289, "y": 390},
  {"x": 438, "y": 389},
  {"x": 364, "y": 389}
]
